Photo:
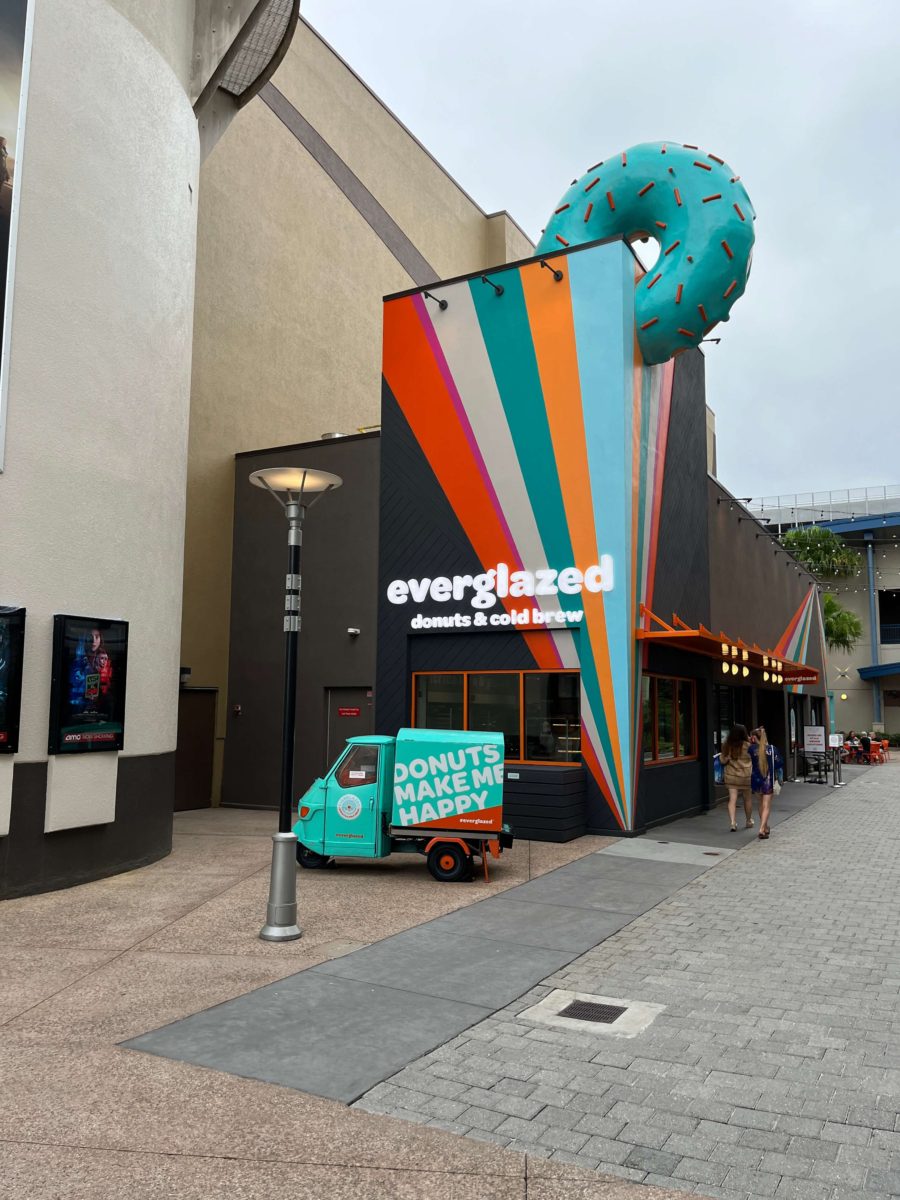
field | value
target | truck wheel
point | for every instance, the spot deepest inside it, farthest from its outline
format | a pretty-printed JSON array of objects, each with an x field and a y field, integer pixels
[
  {"x": 310, "y": 859},
  {"x": 449, "y": 863}
]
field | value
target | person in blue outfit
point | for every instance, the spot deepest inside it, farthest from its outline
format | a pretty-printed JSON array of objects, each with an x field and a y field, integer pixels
[{"x": 765, "y": 777}]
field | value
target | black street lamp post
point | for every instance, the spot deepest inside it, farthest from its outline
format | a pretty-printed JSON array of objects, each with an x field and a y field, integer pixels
[{"x": 295, "y": 489}]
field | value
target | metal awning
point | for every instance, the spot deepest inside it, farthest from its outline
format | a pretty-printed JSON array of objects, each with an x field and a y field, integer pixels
[
  {"x": 740, "y": 660},
  {"x": 878, "y": 670}
]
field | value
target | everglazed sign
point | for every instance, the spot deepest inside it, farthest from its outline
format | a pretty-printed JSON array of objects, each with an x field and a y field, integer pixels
[{"x": 482, "y": 592}]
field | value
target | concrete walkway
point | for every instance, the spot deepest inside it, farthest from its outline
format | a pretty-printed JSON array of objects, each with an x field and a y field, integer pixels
[
  {"x": 773, "y": 1068},
  {"x": 83, "y": 969},
  {"x": 420, "y": 988}
]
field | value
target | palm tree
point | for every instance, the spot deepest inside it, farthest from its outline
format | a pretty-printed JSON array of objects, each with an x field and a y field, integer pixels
[
  {"x": 843, "y": 629},
  {"x": 821, "y": 552}
]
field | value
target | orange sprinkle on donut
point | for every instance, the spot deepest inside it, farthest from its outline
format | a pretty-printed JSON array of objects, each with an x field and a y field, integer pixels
[
  {"x": 717, "y": 196},
  {"x": 678, "y": 197},
  {"x": 728, "y": 250},
  {"x": 624, "y": 159},
  {"x": 672, "y": 247},
  {"x": 593, "y": 168},
  {"x": 687, "y": 332},
  {"x": 612, "y": 203},
  {"x": 660, "y": 224},
  {"x": 703, "y": 166},
  {"x": 593, "y": 183},
  {"x": 562, "y": 208},
  {"x": 735, "y": 178},
  {"x": 737, "y": 209},
  {"x": 646, "y": 188},
  {"x": 688, "y": 147},
  {"x": 690, "y": 258},
  {"x": 655, "y": 279},
  {"x": 678, "y": 293},
  {"x": 702, "y": 312},
  {"x": 729, "y": 289},
  {"x": 715, "y": 158},
  {"x": 647, "y": 324},
  {"x": 663, "y": 150},
  {"x": 588, "y": 210},
  {"x": 559, "y": 238}
]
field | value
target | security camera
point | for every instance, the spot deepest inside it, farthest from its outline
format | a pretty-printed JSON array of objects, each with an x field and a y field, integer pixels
[{"x": 353, "y": 632}]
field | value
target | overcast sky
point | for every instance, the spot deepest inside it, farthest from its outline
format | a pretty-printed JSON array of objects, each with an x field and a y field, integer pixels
[{"x": 515, "y": 98}]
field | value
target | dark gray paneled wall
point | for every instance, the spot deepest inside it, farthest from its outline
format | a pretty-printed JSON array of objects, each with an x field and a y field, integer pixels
[
  {"x": 682, "y": 564},
  {"x": 339, "y": 568},
  {"x": 754, "y": 591}
]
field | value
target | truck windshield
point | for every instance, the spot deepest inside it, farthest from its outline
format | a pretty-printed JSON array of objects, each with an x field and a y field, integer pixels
[{"x": 360, "y": 766}]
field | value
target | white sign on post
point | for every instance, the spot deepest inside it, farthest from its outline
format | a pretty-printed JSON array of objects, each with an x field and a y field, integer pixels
[
  {"x": 835, "y": 741},
  {"x": 814, "y": 739}
]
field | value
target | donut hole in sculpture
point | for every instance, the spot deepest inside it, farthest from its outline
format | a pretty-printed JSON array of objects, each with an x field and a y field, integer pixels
[{"x": 646, "y": 248}]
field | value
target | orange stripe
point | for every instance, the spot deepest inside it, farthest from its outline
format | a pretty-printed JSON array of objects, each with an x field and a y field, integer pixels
[
  {"x": 415, "y": 379},
  {"x": 553, "y": 334}
]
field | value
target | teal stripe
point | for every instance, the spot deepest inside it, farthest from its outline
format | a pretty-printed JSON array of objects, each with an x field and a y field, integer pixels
[{"x": 507, "y": 337}]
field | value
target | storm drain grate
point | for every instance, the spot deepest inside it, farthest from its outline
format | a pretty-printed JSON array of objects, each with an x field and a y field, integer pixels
[{"x": 586, "y": 1010}]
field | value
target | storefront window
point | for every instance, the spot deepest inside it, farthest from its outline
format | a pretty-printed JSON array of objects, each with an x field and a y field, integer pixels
[
  {"x": 538, "y": 712},
  {"x": 686, "y": 739},
  {"x": 665, "y": 718},
  {"x": 439, "y": 701},
  {"x": 649, "y": 750},
  {"x": 552, "y": 717},
  {"x": 494, "y": 707},
  {"x": 668, "y": 719}
]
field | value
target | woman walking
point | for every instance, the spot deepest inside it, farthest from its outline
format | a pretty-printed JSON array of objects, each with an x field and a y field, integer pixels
[
  {"x": 737, "y": 769},
  {"x": 766, "y": 762}
]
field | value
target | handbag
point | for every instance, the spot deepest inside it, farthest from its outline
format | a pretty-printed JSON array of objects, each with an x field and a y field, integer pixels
[
  {"x": 776, "y": 787},
  {"x": 718, "y": 769}
]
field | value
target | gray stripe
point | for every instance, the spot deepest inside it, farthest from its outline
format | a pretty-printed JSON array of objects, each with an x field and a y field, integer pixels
[{"x": 356, "y": 192}]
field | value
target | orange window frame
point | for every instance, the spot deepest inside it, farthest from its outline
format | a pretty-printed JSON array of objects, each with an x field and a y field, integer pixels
[
  {"x": 655, "y": 760},
  {"x": 464, "y": 675}
]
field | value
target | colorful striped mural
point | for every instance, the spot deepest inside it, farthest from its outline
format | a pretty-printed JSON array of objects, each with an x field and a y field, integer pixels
[
  {"x": 547, "y": 434},
  {"x": 794, "y": 642}
]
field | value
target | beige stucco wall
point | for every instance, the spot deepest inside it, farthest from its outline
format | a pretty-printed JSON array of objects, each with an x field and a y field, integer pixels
[
  {"x": 92, "y": 494},
  {"x": 290, "y": 278},
  {"x": 856, "y": 711},
  {"x": 168, "y": 25}
]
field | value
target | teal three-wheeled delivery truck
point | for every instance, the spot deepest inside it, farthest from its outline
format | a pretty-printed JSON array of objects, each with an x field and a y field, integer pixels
[{"x": 435, "y": 792}]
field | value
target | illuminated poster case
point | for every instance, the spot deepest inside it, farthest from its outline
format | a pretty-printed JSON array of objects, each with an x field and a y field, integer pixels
[
  {"x": 87, "y": 700},
  {"x": 12, "y": 644}
]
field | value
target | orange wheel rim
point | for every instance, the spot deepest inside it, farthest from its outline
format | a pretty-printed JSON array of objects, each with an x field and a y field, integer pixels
[{"x": 447, "y": 862}]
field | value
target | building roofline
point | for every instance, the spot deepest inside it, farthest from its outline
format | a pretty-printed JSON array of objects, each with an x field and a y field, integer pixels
[
  {"x": 390, "y": 112},
  {"x": 319, "y": 441}
]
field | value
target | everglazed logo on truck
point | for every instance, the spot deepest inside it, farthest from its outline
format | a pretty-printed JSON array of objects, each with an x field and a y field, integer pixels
[
  {"x": 499, "y": 583},
  {"x": 453, "y": 785}
]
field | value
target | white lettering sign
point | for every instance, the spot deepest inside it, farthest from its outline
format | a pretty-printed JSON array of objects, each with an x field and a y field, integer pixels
[{"x": 499, "y": 582}]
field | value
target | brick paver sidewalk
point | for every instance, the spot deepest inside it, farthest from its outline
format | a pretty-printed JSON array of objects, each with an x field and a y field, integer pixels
[{"x": 774, "y": 1069}]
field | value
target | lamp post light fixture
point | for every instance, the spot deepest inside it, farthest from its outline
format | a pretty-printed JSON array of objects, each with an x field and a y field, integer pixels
[{"x": 296, "y": 489}]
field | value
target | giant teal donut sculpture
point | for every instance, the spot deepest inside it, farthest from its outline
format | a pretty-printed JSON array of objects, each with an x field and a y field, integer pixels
[{"x": 698, "y": 210}]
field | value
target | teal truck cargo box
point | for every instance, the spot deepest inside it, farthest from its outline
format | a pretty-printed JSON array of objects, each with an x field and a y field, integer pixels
[{"x": 436, "y": 792}]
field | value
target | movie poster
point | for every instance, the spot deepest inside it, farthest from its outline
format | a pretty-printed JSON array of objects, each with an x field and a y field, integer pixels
[
  {"x": 12, "y": 644},
  {"x": 12, "y": 52},
  {"x": 87, "y": 702}
]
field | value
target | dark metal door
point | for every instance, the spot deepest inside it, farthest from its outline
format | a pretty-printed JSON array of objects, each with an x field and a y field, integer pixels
[
  {"x": 349, "y": 713},
  {"x": 194, "y": 752}
]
